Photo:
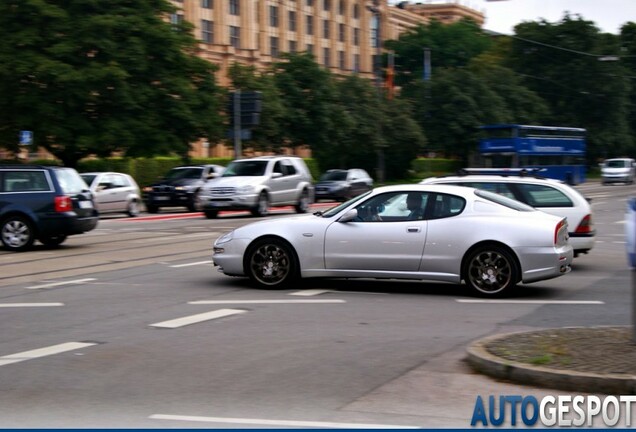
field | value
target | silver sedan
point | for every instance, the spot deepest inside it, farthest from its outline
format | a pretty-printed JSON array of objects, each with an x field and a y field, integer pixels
[{"x": 421, "y": 232}]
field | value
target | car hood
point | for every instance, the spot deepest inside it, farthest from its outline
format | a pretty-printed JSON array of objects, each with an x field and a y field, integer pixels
[
  {"x": 237, "y": 181},
  {"x": 307, "y": 223}
]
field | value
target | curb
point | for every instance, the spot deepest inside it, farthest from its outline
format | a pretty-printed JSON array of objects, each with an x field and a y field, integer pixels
[{"x": 484, "y": 362}]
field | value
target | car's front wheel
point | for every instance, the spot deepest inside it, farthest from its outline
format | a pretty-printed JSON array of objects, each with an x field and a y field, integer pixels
[
  {"x": 490, "y": 271},
  {"x": 262, "y": 205},
  {"x": 17, "y": 233},
  {"x": 211, "y": 214},
  {"x": 271, "y": 263},
  {"x": 133, "y": 209},
  {"x": 303, "y": 202}
]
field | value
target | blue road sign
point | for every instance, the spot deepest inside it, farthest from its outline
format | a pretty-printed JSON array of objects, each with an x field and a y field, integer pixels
[{"x": 26, "y": 137}]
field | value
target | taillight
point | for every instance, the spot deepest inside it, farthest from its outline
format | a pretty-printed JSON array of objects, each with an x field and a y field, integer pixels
[
  {"x": 561, "y": 225},
  {"x": 585, "y": 227},
  {"x": 63, "y": 204}
]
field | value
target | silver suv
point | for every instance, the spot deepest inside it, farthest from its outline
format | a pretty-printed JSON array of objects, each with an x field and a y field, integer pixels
[{"x": 256, "y": 184}]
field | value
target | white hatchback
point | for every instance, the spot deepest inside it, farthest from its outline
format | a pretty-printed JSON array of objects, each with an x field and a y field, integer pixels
[{"x": 548, "y": 195}]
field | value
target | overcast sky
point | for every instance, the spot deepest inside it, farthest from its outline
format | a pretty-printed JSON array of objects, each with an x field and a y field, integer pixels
[{"x": 502, "y": 16}]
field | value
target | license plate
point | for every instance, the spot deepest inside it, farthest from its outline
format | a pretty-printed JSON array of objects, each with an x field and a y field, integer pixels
[
  {"x": 162, "y": 198},
  {"x": 85, "y": 204},
  {"x": 218, "y": 203}
]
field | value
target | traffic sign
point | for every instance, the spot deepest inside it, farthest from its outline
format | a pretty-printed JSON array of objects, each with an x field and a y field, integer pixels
[{"x": 26, "y": 137}]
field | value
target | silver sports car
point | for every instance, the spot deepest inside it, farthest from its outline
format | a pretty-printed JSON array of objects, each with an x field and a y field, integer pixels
[{"x": 422, "y": 232}]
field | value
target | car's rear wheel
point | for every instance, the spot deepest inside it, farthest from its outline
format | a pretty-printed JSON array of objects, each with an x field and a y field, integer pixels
[
  {"x": 303, "y": 202},
  {"x": 211, "y": 214},
  {"x": 133, "y": 209},
  {"x": 271, "y": 263},
  {"x": 17, "y": 233},
  {"x": 152, "y": 208},
  {"x": 52, "y": 241},
  {"x": 490, "y": 271},
  {"x": 195, "y": 202},
  {"x": 262, "y": 205}
]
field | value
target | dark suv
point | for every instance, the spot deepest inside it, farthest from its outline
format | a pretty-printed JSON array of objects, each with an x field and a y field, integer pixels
[
  {"x": 180, "y": 187},
  {"x": 43, "y": 203}
]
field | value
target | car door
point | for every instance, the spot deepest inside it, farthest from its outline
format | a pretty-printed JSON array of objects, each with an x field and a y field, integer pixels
[
  {"x": 120, "y": 188},
  {"x": 380, "y": 238}
]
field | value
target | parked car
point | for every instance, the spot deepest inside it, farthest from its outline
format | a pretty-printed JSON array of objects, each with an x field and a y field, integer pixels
[
  {"x": 548, "y": 195},
  {"x": 340, "y": 184},
  {"x": 114, "y": 192},
  {"x": 181, "y": 187},
  {"x": 43, "y": 203},
  {"x": 618, "y": 170},
  {"x": 448, "y": 234},
  {"x": 259, "y": 183}
]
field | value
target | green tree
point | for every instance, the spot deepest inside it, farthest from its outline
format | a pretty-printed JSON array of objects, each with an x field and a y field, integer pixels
[{"x": 91, "y": 77}]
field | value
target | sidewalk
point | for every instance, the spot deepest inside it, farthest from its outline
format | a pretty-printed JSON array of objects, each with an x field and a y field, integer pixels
[{"x": 588, "y": 359}]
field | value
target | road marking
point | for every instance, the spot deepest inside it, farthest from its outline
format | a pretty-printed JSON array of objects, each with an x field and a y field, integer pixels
[
  {"x": 54, "y": 284},
  {"x": 563, "y": 302},
  {"x": 190, "y": 264},
  {"x": 219, "y": 302},
  {"x": 290, "y": 423},
  {"x": 311, "y": 292},
  {"x": 193, "y": 319},
  {"x": 43, "y": 352},
  {"x": 9, "y": 305}
]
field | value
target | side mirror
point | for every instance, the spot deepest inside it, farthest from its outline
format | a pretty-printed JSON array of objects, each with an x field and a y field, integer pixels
[
  {"x": 276, "y": 175},
  {"x": 349, "y": 216}
]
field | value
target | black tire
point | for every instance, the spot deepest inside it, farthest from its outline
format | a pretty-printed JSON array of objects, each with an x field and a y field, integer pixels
[
  {"x": 490, "y": 271},
  {"x": 262, "y": 206},
  {"x": 152, "y": 208},
  {"x": 271, "y": 263},
  {"x": 195, "y": 203},
  {"x": 53, "y": 241},
  {"x": 302, "y": 206},
  {"x": 211, "y": 214},
  {"x": 133, "y": 209},
  {"x": 17, "y": 233}
]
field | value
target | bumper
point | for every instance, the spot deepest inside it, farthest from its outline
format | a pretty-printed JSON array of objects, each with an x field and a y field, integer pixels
[
  {"x": 67, "y": 224},
  {"x": 545, "y": 263},
  {"x": 168, "y": 200},
  {"x": 237, "y": 202},
  {"x": 616, "y": 179},
  {"x": 229, "y": 256}
]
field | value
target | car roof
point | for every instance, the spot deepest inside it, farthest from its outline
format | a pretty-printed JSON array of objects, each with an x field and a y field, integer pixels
[
  {"x": 441, "y": 188},
  {"x": 496, "y": 178}
]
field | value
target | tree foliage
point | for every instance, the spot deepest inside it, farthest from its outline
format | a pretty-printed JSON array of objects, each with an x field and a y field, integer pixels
[{"x": 94, "y": 77}]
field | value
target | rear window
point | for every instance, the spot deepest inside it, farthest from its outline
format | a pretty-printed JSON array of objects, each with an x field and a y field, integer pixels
[
  {"x": 540, "y": 196},
  {"x": 25, "y": 181},
  {"x": 70, "y": 181}
]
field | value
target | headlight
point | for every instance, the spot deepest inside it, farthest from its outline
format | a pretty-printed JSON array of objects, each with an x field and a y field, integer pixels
[
  {"x": 183, "y": 188},
  {"x": 244, "y": 190},
  {"x": 147, "y": 189},
  {"x": 224, "y": 238}
]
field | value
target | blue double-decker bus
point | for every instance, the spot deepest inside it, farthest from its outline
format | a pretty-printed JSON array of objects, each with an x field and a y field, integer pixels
[{"x": 553, "y": 152}]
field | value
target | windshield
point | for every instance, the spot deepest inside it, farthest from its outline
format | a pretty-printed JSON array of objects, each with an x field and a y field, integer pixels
[
  {"x": 70, "y": 181},
  {"x": 504, "y": 201},
  {"x": 245, "y": 168},
  {"x": 88, "y": 178},
  {"x": 334, "y": 176},
  {"x": 617, "y": 163},
  {"x": 182, "y": 173},
  {"x": 337, "y": 209}
]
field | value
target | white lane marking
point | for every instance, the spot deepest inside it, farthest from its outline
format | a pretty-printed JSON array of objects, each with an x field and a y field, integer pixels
[
  {"x": 311, "y": 292},
  {"x": 193, "y": 319},
  {"x": 563, "y": 302},
  {"x": 43, "y": 352},
  {"x": 190, "y": 264},
  {"x": 54, "y": 284},
  {"x": 9, "y": 305},
  {"x": 291, "y": 423},
  {"x": 219, "y": 302}
]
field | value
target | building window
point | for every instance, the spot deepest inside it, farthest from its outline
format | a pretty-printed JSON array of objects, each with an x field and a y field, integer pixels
[
  {"x": 310, "y": 25},
  {"x": 207, "y": 4},
  {"x": 375, "y": 39},
  {"x": 325, "y": 29},
  {"x": 356, "y": 11},
  {"x": 341, "y": 60},
  {"x": 326, "y": 4},
  {"x": 292, "y": 20},
  {"x": 207, "y": 31},
  {"x": 234, "y": 7},
  {"x": 176, "y": 19},
  {"x": 356, "y": 36},
  {"x": 293, "y": 46},
  {"x": 326, "y": 54},
  {"x": 310, "y": 3},
  {"x": 342, "y": 32},
  {"x": 273, "y": 16},
  {"x": 310, "y": 48},
  {"x": 341, "y": 7},
  {"x": 273, "y": 47},
  {"x": 235, "y": 36},
  {"x": 356, "y": 62}
]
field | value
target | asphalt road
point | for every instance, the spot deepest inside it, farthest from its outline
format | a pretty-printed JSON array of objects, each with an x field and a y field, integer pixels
[{"x": 131, "y": 326}]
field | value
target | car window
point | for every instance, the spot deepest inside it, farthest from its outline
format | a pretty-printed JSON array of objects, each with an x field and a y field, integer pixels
[
  {"x": 539, "y": 196},
  {"x": 495, "y": 187},
  {"x": 393, "y": 207},
  {"x": 119, "y": 181},
  {"x": 25, "y": 181},
  {"x": 181, "y": 173},
  {"x": 444, "y": 205},
  {"x": 288, "y": 168},
  {"x": 334, "y": 176},
  {"x": 504, "y": 201},
  {"x": 70, "y": 181}
]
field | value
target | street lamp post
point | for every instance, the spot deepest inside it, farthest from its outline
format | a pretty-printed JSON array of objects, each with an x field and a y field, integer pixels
[{"x": 377, "y": 65}]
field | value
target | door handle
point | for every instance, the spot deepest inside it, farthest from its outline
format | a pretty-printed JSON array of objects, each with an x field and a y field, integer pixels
[{"x": 413, "y": 229}]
